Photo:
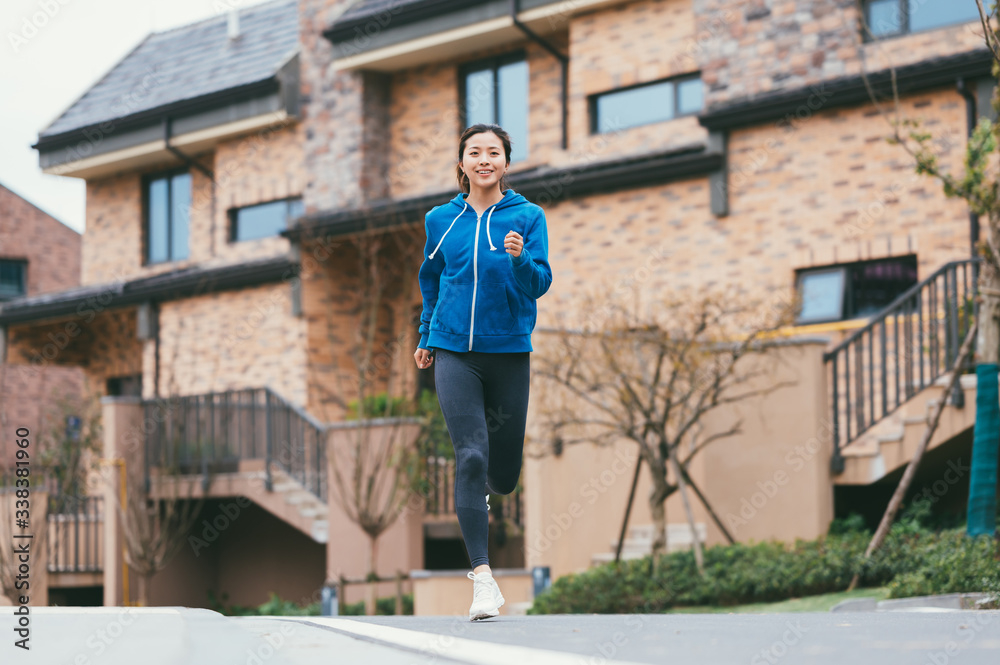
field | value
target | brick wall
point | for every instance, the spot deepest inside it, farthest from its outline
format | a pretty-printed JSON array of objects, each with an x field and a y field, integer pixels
[
  {"x": 828, "y": 190},
  {"x": 51, "y": 248},
  {"x": 751, "y": 48},
  {"x": 628, "y": 44},
  {"x": 234, "y": 339},
  {"x": 256, "y": 168},
  {"x": 344, "y": 144},
  {"x": 29, "y": 396},
  {"x": 333, "y": 288}
]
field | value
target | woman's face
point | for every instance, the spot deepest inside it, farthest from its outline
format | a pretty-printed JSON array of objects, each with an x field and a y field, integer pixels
[{"x": 484, "y": 160}]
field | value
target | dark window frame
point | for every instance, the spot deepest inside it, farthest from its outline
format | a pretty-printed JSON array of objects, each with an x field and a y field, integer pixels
[
  {"x": 904, "y": 23},
  {"x": 494, "y": 63},
  {"x": 146, "y": 180},
  {"x": 233, "y": 212},
  {"x": 23, "y": 263},
  {"x": 675, "y": 81},
  {"x": 848, "y": 306}
]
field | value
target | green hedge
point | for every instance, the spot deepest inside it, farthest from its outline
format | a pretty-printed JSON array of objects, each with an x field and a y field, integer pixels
[{"x": 911, "y": 562}]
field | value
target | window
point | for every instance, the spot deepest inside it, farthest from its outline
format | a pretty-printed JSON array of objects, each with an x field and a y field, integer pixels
[
  {"x": 264, "y": 220},
  {"x": 13, "y": 278},
  {"x": 853, "y": 290},
  {"x": 124, "y": 386},
  {"x": 645, "y": 104},
  {"x": 496, "y": 91},
  {"x": 888, "y": 18},
  {"x": 168, "y": 211}
]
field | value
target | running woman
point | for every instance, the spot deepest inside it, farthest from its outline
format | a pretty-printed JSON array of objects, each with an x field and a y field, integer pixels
[{"x": 479, "y": 311}]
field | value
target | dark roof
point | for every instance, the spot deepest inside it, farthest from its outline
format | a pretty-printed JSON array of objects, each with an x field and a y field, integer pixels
[
  {"x": 391, "y": 13},
  {"x": 173, "y": 285},
  {"x": 801, "y": 102},
  {"x": 542, "y": 185},
  {"x": 187, "y": 62}
]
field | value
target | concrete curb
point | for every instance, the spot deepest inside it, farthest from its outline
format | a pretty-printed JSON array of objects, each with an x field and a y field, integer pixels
[{"x": 941, "y": 603}]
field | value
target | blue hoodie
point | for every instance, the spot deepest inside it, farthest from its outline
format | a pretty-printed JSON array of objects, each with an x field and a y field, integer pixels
[{"x": 477, "y": 297}]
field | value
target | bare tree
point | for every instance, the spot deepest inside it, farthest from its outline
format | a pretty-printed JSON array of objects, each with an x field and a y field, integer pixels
[
  {"x": 376, "y": 465},
  {"x": 653, "y": 378}
]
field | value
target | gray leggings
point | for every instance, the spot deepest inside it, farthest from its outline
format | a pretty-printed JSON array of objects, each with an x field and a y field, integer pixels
[{"x": 484, "y": 399}]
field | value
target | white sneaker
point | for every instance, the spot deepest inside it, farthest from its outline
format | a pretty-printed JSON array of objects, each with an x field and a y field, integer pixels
[{"x": 486, "y": 597}]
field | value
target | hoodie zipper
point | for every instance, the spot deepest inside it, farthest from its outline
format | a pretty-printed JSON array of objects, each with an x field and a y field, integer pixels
[{"x": 475, "y": 280}]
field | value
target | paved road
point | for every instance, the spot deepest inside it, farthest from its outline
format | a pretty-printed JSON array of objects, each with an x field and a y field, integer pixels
[
  {"x": 176, "y": 636},
  {"x": 864, "y": 638}
]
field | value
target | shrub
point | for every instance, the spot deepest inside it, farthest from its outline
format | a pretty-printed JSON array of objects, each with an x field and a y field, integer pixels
[{"x": 911, "y": 559}]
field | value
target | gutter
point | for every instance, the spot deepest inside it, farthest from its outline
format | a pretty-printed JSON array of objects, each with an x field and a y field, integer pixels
[
  {"x": 970, "y": 118},
  {"x": 563, "y": 64}
]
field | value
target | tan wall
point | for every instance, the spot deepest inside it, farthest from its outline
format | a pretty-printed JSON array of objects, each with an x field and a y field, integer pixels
[
  {"x": 576, "y": 502},
  {"x": 400, "y": 547},
  {"x": 253, "y": 169},
  {"x": 449, "y": 593}
]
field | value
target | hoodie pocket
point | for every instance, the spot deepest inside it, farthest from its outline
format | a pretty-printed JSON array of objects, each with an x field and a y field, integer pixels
[
  {"x": 453, "y": 308},
  {"x": 493, "y": 312}
]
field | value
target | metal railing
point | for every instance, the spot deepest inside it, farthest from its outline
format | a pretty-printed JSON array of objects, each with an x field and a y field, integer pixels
[
  {"x": 214, "y": 432},
  {"x": 902, "y": 350},
  {"x": 75, "y": 538},
  {"x": 439, "y": 499}
]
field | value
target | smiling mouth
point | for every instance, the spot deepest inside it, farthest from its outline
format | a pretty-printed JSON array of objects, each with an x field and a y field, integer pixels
[{"x": 484, "y": 172}]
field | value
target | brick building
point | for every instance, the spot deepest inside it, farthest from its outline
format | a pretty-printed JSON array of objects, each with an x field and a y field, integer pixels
[
  {"x": 674, "y": 145},
  {"x": 38, "y": 255}
]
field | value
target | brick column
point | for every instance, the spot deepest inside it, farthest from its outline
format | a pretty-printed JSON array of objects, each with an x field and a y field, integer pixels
[{"x": 345, "y": 115}]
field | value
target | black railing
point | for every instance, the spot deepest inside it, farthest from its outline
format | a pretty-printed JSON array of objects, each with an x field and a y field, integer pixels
[
  {"x": 902, "y": 350},
  {"x": 214, "y": 432},
  {"x": 440, "y": 491},
  {"x": 75, "y": 539},
  {"x": 74, "y": 535}
]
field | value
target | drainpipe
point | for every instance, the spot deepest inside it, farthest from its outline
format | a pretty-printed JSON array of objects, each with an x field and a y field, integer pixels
[
  {"x": 970, "y": 115},
  {"x": 167, "y": 122},
  {"x": 563, "y": 63}
]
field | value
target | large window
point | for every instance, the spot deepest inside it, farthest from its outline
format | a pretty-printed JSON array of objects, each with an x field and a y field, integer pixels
[
  {"x": 888, "y": 18},
  {"x": 645, "y": 104},
  {"x": 13, "y": 278},
  {"x": 168, "y": 212},
  {"x": 263, "y": 220},
  {"x": 853, "y": 290},
  {"x": 496, "y": 91}
]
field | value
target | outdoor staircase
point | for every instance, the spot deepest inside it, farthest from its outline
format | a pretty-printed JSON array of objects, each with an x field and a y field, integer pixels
[
  {"x": 892, "y": 442},
  {"x": 250, "y": 443},
  {"x": 887, "y": 376},
  {"x": 639, "y": 541}
]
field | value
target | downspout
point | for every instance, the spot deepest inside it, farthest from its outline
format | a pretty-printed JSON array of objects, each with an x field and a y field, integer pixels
[
  {"x": 563, "y": 64},
  {"x": 970, "y": 115},
  {"x": 167, "y": 122}
]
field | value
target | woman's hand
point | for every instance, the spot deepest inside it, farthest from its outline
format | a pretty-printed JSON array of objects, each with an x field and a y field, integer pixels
[
  {"x": 513, "y": 243},
  {"x": 423, "y": 358}
]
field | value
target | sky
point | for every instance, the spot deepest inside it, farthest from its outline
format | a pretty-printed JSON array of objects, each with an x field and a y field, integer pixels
[{"x": 51, "y": 52}]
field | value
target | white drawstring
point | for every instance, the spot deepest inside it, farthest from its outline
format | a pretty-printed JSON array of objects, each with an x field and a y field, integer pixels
[
  {"x": 446, "y": 232},
  {"x": 488, "y": 226}
]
